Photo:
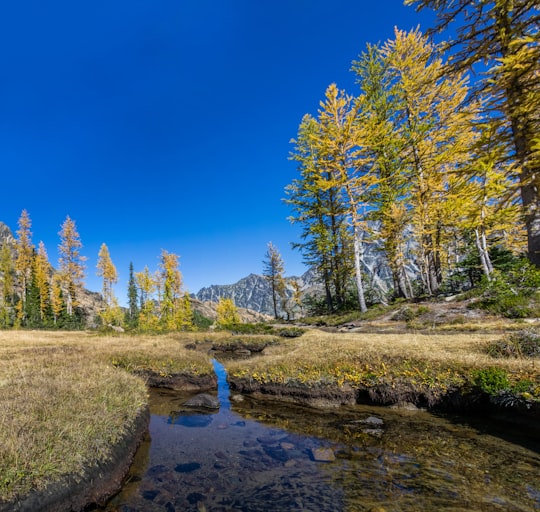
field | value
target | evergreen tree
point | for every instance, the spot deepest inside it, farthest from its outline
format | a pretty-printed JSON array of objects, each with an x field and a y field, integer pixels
[
  {"x": 133, "y": 299},
  {"x": 273, "y": 269}
]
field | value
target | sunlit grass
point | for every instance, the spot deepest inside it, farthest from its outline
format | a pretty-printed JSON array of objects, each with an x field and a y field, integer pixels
[
  {"x": 64, "y": 404},
  {"x": 66, "y": 398},
  {"x": 434, "y": 360}
]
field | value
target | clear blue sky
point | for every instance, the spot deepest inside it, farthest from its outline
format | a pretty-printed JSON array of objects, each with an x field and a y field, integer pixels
[{"x": 166, "y": 124}]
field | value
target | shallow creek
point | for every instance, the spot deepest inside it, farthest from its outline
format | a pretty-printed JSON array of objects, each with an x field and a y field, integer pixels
[{"x": 255, "y": 456}]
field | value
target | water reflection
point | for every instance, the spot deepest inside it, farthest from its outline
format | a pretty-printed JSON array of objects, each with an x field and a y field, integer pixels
[{"x": 250, "y": 456}]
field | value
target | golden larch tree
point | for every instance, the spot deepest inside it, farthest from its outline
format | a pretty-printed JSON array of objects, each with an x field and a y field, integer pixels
[{"x": 71, "y": 266}]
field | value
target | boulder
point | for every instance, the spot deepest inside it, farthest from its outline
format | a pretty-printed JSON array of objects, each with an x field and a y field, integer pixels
[{"x": 203, "y": 400}]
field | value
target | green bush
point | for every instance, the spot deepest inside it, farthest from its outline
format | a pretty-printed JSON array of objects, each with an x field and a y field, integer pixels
[
  {"x": 290, "y": 332},
  {"x": 513, "y": 292},
  {"x": 525, "y": 343},
  {"x": 491, "y": 380},
  {"x": 260, "y": 328}
]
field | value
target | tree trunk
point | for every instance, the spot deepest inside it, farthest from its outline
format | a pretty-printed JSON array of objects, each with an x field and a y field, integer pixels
[
  {"x": 358, "y": 254},
  {"x": 481, "y": 245}
]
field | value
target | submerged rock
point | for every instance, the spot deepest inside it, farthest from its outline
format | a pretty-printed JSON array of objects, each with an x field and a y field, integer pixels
[
  {"x": 203, "y": 400},
  {"x": 323, "y": 454}
]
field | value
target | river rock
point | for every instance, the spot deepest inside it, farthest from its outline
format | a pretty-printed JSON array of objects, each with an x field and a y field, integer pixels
[
  {"x": 323, "y": 454},
  {"x": 372, "y": 420},
  {"x": 203, "y": 400}
]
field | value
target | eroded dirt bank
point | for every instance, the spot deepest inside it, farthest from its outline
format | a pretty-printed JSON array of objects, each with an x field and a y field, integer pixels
[{"x": 404, "y": 395}]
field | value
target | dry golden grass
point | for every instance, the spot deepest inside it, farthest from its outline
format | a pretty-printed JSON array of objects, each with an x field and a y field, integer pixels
[
  {"x": 65, "y": 398},
  {"x": 321, "y": 357},
  {"x": 63, "y": 403}
]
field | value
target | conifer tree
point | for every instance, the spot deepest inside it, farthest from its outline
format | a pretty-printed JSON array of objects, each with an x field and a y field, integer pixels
[
  {"x": 107, "y": 271},
  {"x": 273, "y": 268},
  {"x": 172, "y": 288},
  {"x": 23, "y": 262},
  {"x": 133, "y": 298},
  {"x": 437, "y": 131},
  {"x": 378, "y": 116},
  {"x": 112, "y": 314},
  {"x": 338, "y": 143},
  {"x": 42, "y": 273},
  {"x": 501, "y": 37},
  {"x": 7, "y": 271},
  {"x": 148, "y": 318},
  {"x": 57, "y": 299},
  {"x": 326, "y": 244},
  {"x": 227, "y": 313},
  {"x": 70, "y": 264}
]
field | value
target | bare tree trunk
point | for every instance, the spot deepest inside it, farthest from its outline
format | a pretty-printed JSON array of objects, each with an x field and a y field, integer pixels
[
  {"x": 481, "y": 245},
  {"x": 358, "y": 255}
]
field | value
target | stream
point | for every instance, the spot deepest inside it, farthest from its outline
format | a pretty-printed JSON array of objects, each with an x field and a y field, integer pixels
[{"x": 261, "y": 456}]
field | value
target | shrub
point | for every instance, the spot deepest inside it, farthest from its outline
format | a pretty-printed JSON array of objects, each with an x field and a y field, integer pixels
[
  {"x": 491, "y": 380},
  {"x": 407, "y": 314},
  {"x": 290, "y": 332},
  {"x": 525, "y": 343},
  {"x": 260, "y": 328},
  {"x": 512, "y": 293}
]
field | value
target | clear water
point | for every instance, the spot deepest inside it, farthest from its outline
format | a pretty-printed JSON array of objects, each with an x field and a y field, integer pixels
[{"x": 252, "y": 456}]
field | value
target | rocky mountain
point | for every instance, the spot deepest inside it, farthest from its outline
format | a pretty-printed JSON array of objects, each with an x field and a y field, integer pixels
[
  {"x": 208, "y": 309},
  {"x": 255, "y": 293}
]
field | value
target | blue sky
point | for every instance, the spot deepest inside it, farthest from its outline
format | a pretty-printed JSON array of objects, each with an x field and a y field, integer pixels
[{"x": 166, "y": 124}]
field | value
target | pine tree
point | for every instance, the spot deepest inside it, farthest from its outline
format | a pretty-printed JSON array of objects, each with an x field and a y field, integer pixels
[
  {"x": 273, "y": 268},
  {"x": 70, "y": 264},
  {"x": 133, "y": 299},
  {"x": 33, "y": 301},
  {"x": 502, "y": 39}
]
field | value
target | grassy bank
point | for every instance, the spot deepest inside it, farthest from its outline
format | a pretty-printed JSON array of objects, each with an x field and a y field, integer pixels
[
  {"x": 65, "y": 400},
  {"x": 432, "y": 362}
]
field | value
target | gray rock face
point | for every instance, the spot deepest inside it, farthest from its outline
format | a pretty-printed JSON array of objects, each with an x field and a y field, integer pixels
[
  {"x": 254, "y": 292},
  {"x": 5, "y": 234},
  {"x": 203, "y": 400}
]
